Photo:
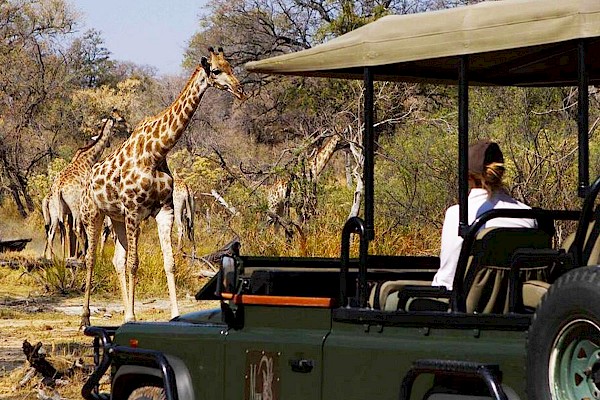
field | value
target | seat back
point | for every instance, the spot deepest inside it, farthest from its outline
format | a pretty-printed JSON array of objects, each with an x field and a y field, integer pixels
[
  {"x": 591, "y": 245},
  {"x": 487, "y": 272}
]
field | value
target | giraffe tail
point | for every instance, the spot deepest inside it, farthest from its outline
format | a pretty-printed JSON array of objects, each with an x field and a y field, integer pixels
[
  {"x": 189, "y": 217},
  {"x": 46, "y": 213}
]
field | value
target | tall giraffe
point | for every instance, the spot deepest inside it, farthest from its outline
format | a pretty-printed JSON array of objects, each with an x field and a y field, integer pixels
[
  {"x": 282, "y": 194},
  {"x": 63, "y": 200},
  {"x": 134, "y": 183}
]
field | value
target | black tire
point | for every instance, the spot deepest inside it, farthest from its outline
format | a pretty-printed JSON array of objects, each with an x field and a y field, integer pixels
[
  {"x": 148, "y": 393},
  {"x": 563, "y": 345}
]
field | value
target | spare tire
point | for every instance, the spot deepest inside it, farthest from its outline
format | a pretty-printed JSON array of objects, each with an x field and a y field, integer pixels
[{"x": 563, "y": 343}]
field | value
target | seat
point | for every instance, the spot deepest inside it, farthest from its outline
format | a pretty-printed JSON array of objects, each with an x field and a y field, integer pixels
[
  {"x": 484, "y": 287},
  {"x": 384, "y": 294},
  {"x": 487, "y": 273},
  {"x": 534, "y": 290}
]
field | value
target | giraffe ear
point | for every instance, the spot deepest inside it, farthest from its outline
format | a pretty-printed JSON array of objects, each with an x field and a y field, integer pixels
[{"x": 205, "y": 64}]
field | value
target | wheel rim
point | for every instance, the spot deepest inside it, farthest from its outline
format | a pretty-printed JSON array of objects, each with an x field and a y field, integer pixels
[{"x": 574, "y": 368}]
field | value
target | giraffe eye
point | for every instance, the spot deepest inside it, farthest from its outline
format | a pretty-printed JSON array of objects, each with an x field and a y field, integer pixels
[{"x": 216, "y": 71}]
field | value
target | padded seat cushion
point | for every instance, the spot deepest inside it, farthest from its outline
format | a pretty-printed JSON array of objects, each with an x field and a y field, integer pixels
[
  {"x": 387, "y": 293},
  {"x": 533, "y": 292}
]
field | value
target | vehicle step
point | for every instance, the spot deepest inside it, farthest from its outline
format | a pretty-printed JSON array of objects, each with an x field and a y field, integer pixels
[{"x": 489, "y": 373}]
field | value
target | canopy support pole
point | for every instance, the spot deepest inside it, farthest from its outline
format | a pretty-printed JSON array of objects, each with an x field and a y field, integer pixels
[
  {"x": 583, "y": 119},
  {"x": 463, "y": 144},
  {"x": 369, "y": 153}
]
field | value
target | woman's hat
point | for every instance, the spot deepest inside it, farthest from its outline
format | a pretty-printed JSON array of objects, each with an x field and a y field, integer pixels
[{"x": 482, "y": 153}]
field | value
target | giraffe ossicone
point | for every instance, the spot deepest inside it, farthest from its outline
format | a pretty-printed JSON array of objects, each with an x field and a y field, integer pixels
[{"x": 134, "y": 183}]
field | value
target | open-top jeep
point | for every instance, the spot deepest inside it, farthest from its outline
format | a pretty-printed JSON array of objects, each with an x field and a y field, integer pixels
[{"x": 372, "y": 326}]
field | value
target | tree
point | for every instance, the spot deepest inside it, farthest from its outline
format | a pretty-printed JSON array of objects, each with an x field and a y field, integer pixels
[
  {"x": 32, "y": 78},
  {"x": 90, "y": 60}
]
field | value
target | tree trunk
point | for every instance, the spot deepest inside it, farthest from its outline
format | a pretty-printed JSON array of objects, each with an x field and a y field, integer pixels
[
  {"x": 15, "y": 185},
  {"x": 357, "y": 175},
  {"x": 348, "y": 169}
]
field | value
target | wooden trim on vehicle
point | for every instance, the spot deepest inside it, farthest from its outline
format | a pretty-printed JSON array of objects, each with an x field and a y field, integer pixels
[{"x": 291, "y": 301}]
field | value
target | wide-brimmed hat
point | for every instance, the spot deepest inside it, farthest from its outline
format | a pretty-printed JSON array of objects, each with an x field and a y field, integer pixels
[{"x": 483, "y": 153}]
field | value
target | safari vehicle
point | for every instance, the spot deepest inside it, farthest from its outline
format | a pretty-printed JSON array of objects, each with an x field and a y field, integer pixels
[{"x": 348, "y": 327}]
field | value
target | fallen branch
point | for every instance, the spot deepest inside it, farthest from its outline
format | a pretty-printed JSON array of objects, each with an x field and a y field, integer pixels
[
  {"x": 38, "y": 361},
  {"x": 223, "y": 202}
]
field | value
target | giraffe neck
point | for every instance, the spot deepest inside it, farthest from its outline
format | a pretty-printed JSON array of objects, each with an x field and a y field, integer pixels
[
  {"x": 90, "y": 156},
  {"x": 165, "y": 130},
  {"x": 323, "y": 156}
]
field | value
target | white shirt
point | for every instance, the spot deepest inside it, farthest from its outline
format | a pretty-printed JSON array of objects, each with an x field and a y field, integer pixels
[{"x": 479, "y": 203}]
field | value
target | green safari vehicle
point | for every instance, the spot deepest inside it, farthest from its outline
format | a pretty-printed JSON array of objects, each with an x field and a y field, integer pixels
[{"x": 371, "y": 326}]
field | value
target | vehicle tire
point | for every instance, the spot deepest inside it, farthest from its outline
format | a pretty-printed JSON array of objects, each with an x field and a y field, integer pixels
[
  {"x": 148, "y": 393},
  {"x": 563, "y": 345}
]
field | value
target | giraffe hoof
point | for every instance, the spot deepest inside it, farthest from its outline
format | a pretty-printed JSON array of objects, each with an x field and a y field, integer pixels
[{"x": 85, "y": 322}]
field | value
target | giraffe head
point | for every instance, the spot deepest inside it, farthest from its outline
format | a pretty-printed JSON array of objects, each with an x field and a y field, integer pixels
[
  {"x": 119, "y": 124},
  {"x": 220, "y": 74}
]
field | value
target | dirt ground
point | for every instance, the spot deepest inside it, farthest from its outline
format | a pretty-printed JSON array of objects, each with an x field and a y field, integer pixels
[{"x": 54, "y": 321}]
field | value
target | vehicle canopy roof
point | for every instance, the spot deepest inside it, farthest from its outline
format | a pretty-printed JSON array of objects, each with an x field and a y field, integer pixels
[{"x": 509, "y": 42}]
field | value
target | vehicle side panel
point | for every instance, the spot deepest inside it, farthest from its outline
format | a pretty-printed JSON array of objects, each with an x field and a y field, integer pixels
[
  {"x": 201, "y": 347},
  {"x": 362, "y": 361}
]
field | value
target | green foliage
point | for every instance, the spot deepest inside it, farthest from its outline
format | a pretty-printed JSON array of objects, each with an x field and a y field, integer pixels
[
  {"x": 39, "y": 185},
  {"x": 349, "y": 17},
  {"x": 58, "y": 277},
  {"x": 91, "y": 63},
  {"x": 95, "y": 103},
  {"x": 200, "y": 173}
]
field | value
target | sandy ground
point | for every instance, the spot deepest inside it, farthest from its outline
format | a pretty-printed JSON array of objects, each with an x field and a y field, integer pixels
[{"x": 54, "y": 321}]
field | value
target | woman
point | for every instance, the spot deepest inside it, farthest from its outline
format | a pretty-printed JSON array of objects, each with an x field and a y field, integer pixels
[{"x": 487, "y": 191}]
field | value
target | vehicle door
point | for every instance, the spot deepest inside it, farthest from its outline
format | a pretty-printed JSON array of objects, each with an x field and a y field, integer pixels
[{"x": 277, "y": 354}]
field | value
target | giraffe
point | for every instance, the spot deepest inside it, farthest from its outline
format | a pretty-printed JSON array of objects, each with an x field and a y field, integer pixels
[
  {"x": 284, "y": 191},
  {"x": 61, "y": 206},
  {"x": 183, "y": 210},
  {"x": 134, "y": 183},
  {"x": 183, "y": 207}
]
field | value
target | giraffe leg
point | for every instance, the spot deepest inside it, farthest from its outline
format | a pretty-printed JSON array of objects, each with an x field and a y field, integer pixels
[
  {"x": 81, "y": 240},
  {"x": 79, "y": 236},
  {"x": 92, "y": 224},
  {"x": 118, "y": 261},
  {"x": 71, "y": 238},
  {"x": 132, "y": 230},
  {"x": 164, "y": 221},
  {"x": 49, "y": 251},
  {"x": 66, "y": 222}
]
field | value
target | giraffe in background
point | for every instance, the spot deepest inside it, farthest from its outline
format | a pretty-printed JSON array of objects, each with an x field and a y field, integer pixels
[
  {"x": 296, "y": 191},
  {"x": 61, "y": 206},
  {"x": 134, "y": 183}
]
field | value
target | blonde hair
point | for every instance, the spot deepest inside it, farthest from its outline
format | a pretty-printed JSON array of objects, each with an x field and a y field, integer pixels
[{"x": 491, "y": 180}]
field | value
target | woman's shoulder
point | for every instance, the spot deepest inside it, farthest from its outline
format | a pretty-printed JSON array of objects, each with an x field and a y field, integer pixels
[
  {"x": 452, "y": 210},
  {"x": 507, "y": 201}
]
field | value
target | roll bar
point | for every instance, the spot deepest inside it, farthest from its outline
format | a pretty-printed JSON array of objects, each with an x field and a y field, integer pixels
[{"x": 357, "y": 226}]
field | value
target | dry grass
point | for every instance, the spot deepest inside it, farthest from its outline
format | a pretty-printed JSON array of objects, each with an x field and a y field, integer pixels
[{"x": 36, "y": 319}]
